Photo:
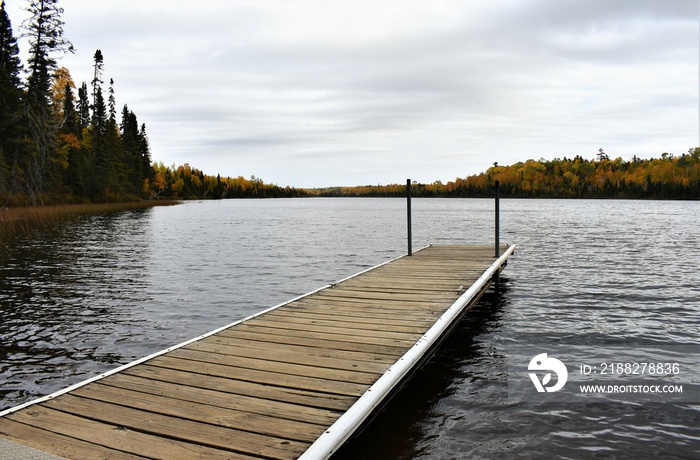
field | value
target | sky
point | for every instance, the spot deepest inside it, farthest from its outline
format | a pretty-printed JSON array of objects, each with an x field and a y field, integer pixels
[{"x": 316, "y": 93}]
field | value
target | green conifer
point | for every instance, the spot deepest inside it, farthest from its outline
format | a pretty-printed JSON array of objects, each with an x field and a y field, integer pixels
[{"x": 10, "y": 98}]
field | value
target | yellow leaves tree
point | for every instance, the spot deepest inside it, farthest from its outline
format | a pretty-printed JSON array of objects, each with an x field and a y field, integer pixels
[{"x": 61, "y": 78}]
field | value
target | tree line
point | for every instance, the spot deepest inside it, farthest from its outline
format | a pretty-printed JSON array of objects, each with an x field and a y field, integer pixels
[
  {"x": 63, "y": 144},
  {"x": 666, "y": 177},
  {"x": 186, "y": 182}
]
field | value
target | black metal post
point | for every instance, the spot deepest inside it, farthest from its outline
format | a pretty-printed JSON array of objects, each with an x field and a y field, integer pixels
[
  {"x": 408, "y": 209},
  {"x": 498, "y": 223},
  {"x": 497, "y": 249}
]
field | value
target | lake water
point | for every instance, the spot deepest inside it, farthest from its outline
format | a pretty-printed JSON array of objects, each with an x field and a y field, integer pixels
[{"x": 105, "y": 290}]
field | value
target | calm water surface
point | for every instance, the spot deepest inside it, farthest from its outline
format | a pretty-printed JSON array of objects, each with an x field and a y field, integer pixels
[{"x": 105, "y": 290}]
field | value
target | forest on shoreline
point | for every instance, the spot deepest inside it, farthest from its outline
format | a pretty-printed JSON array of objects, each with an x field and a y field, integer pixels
[
  {"x": 667, "y": 177},
  {"x": 57, "y": 147}
]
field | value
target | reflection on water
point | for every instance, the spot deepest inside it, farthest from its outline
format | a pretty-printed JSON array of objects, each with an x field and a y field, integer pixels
[
  {"x": 108, "y": 289},
  {"x": 61, "y": 295}
]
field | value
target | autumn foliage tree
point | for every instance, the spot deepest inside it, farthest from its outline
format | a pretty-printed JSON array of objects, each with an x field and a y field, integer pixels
[{"x": 186, "y": 182}]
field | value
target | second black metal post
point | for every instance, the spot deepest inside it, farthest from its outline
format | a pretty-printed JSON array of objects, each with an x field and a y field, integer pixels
[
  {"x": 498, "y": 223},
  {"x": 408, "y": 210}
]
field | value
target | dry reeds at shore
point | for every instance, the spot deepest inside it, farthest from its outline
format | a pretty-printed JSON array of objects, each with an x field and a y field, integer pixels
[{"x": 27, "y": 221}]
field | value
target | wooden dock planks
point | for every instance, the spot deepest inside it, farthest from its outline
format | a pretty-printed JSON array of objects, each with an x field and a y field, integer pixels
[{"x": 267, "y": 387}]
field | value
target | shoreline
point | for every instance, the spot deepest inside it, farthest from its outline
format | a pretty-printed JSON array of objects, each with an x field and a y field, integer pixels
[{"x": 27, "y": 220}]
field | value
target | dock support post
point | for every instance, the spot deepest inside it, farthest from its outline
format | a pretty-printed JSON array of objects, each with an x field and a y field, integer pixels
[
  {"x": 408, "y": 211},
  {"x": 497, "y": 251}
]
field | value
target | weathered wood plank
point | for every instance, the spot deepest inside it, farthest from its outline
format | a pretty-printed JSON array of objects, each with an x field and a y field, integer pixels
[
  {"x": 352, "y": 356},
  {"x": 203, "y": 411},
  {"x": 383, "y": 322},
  {"x": 396, "y": 308},
  {"x": 63, "y": 446},
  {"x": 118, "y": 438},
  {"x": 330, "y": 343},
  {"x": 379, "y": 297},
  {"x": 291, "y": 356},
  {"x": 410, "y": 336},
  {"x": 340, "y": 327},
  {"x": 376, "y": 295},
  {"x": 276, "y": 367},
  {"x": 399, "y": 288},
  {"x": 292, "y": 404},
  {"x": 360, "y": 314},
  {"x": 348, "y": 323},
  {"x": 196, "y": 432},
  {"x": 331, "y": 336},
  {"x": 260, "y": 376}
]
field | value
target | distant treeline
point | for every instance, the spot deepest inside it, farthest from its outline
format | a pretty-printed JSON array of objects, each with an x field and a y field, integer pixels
[
  {"x": 667, "y": 177},
  {"x": 185, "y": 182}
]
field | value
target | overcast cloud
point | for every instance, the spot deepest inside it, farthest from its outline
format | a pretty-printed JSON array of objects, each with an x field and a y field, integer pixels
[{"x": 323, "y": 92}]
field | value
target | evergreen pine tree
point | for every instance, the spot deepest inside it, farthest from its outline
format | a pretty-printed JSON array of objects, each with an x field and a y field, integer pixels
[
  {"x": 136, "y": 150},
  {"x": 70, "y": 134},
  {"x": 145, "y": 153},
  {"x": 130, "y": 147},
  {"x": 98, "y": 65},
  {"x": 117, "y": 172},
  {"x": 45, "y": 32},
  {"x": 112, "y": 103},
  {"x": 83, "y": 108},
  {"x": 99, "y": 161},
  {"x": 10, "y": 99},
  {"x": 70, "y": 114}
]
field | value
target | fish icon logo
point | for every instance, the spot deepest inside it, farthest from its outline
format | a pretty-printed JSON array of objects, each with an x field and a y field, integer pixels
[{"x": 543, "y": 363}]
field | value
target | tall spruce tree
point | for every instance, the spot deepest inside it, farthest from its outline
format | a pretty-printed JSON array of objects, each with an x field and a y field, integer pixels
[
  {"x": 44, "y": 29},
  {"x": 10, "y": 99},
  {"x": 117, "y": 174},
  {"x": 99, "y": 161},
  {"x": 105, "y": 159},
  {"x": 98, "y": 66},
  {"x": 129, "y": 130},
  {"x": 145, "y": 152},
  {"x": 137, "y": 157},
  {"x": 83, "y": 108},
  {"x": 112, "y": 103},
  {"x": 70, "y": 114}
]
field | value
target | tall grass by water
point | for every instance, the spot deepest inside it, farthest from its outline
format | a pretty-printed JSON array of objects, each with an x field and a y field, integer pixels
[{"x": 27, "y": 221}]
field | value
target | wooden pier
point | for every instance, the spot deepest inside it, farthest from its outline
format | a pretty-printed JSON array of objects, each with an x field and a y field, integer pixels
[{"x": 293, "y": 381}]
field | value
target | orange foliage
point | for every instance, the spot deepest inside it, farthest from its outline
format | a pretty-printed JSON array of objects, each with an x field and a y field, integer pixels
[{"x": 666, "y": 177}]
